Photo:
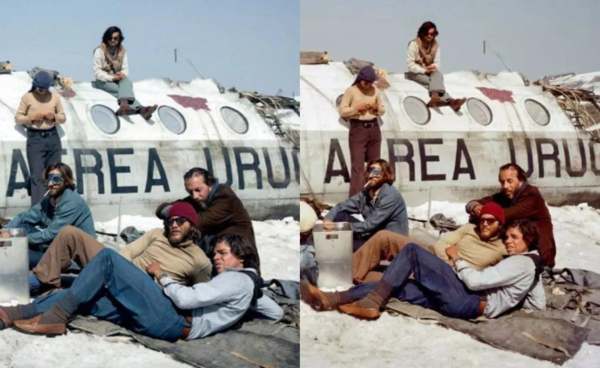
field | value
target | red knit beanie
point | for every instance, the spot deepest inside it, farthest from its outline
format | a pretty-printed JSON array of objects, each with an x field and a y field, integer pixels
[
  {"x": 184, "y": 209},
  {"x": 493, "y": 209}
]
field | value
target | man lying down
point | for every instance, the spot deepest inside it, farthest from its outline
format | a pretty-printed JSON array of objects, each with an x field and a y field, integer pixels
[
  {"x": 112, "y": 288},
  {"x": 462, "y": 292}
]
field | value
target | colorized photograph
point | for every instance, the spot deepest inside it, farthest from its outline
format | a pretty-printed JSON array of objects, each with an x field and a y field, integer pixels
[
  {"x": 450, "y": 184},
  {"x": 149, "y": 184}
]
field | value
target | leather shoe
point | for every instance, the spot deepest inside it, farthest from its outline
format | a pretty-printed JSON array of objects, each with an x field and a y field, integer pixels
[
  {"x": 457, "y": 103},
  {"x": 5, "y": 319},
  {"x": 124, "y": 110},
  {"x": 148, "y": 111},
  {"x": 434, "y": 101},
  {"x": 358, "y": 312},
  {"x": 315, "y": 297},
  {"x": 33, "y": 327}
]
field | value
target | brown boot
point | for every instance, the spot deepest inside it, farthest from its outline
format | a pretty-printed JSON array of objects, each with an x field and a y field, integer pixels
[
  {"x": 456, "y": 103},
  {"x": 318, "y": 300},
  {"x": 147, "y": 111},
  {"x": 33, "y": 327},
  {"x": 124, "y": 108},
  {"x": 367, "y": 308},
  {"x": 435, "y": 100}
]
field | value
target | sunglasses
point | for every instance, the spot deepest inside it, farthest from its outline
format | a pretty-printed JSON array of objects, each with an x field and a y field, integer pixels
[
  {"x": 54, "y": 179},
  {"x": 115, "y": 38},
  {"x": 488, "y": 221},
  {"x": 179, "y": 220},
  {"x": 374, "y": 172}
]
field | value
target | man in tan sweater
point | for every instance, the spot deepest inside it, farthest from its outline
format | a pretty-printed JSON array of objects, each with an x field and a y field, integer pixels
[
  {"x": 361, "y": 106},
  {"x": 173, "y": 247},
  {"x": 40, "y": 111},
  {"x": 480, "y": 246}
]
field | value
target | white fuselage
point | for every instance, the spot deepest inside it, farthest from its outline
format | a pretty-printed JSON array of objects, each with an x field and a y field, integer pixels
[{"x": 452, "y": 156}]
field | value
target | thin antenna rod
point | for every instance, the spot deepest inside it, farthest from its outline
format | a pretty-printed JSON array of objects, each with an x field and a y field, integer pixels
[
  {"x": 497, "y": 55},
  {"x": 188, "y": 60}
]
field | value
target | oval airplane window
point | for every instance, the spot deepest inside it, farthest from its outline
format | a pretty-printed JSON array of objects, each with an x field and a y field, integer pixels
[
  {"x": 417, "y": 110},
  {"x": 105, "y": 119},
  {"x": 480, "y": 111},
  {"x": 235, "y": 120},
  {"x": 537, "y": 112},
  {"x": 172, "y": 119}
]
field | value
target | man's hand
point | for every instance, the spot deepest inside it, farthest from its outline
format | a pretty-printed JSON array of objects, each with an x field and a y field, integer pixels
[
  {"x": 477, "y": 210},
  {"x": 452, "y": 252},
  {"x": 50, "y": 116},
  {"x": 37, "y": 117},
  {"x": 118, "y": 77},
  {"x": 328, "y": 225},
  {"x": 430, "y": 69},
  {"x": 154, "y": 269},
  {"x": 374, "y": 108},
  {"x": 362, "y": 107}
]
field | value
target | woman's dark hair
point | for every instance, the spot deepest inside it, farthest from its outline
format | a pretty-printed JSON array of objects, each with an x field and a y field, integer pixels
[
  {"x": 241, "y": 248},
  {"x": 521, "y": 174},
  {"x": 65, "y": 172},
  {"x": 530, "y": 232},
  {"x": 108, "y": 35},
  {"x": 387, "y": 171},
  {"x": 425, "y": 27},
  {"x": 209, "y": 178}
]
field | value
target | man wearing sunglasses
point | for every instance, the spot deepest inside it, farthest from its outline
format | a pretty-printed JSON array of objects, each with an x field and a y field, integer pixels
[
  {"x": 62, "y": 206},
  {"x": 112, "y": 69},
  {"x": 423, "y": 61},
  {"x": 41, "y": 111},
  {"x": 172, "y": 246},
  {"x": 479, "y": 245},
  {"x": 521, "y": 201},
  {"x": 380, "y": 204}
]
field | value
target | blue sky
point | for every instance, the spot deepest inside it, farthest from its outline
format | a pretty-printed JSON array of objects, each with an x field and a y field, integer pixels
[
  {"x": 252, "y": 45},
  {"x": 535, "y": 37}
]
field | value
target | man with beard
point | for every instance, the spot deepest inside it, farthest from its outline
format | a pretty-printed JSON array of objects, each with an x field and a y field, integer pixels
[
  {"x": 418, "y": 277},
  {"x": 521, "y": 201},
  {"x": 173, "y": 247},
  {"x": 113, "y": 289},
  {"x": 62, "y": 206},
  {"x": 380, "y": 204},
  {"x": 219, "y": 210},
  {"x": 479, "y": 245}
]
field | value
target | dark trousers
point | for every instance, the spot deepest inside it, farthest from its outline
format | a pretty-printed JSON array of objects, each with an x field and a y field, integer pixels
[
  {"x": 435, "y": 286},
  {"x": 365, "y": 146},
  {"x": 43, "y": 149},
  {"x": 358, "y": 238},
  {"x": 112, "y": 288}
]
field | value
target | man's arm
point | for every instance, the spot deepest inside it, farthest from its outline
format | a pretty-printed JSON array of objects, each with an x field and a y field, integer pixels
[
  {"x": 350, "y": 205},
  {"x": 137, "y": 247},
  {"x": 268, "y": 308},
  {"x": 507, "y": 272},
  {"x": 470, "y": 207},
  {"x": 216, "y": 291},
  {"x": 448, "y": 240},
  {"x": 162, "y": 211},
  {"x": 411, "y": 59},
  {"x": 379, "y": 103},
  {"x": 346, "y": 111},
  {"x": 99, "y": 73},
  {"x": 59, "y": 113},
  {"x": 385, "y": 207},
  {"x": 66, "y": 214},
  {"x": 21, "y": 115}
]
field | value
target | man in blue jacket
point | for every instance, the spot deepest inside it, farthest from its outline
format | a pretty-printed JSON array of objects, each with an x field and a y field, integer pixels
[
  {"x": 61, "y": 206},
  {"x": 380, "y": 204}
]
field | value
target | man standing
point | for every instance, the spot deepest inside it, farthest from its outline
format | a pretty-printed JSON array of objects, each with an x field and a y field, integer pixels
[
  {"x": 521, "y": 201},
  {"x": 63, "y": 207},
  {"x": 219, "y": 210},
  {"x": 173, "y": 247},
  {"x": 479, "y": 245}
]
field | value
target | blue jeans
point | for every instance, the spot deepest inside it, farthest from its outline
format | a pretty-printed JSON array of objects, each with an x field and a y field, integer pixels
[
  {"x": 435, "y": 286},
  {"x": 112, "y": 288},
  {"x": 36, "y": 251}
]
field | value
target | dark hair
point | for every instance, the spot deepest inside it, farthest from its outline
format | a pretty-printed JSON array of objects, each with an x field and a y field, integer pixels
[
  {"x": 425, "y": 27},
  {"x": 108, "y": 35},
  {"x": 65, "y": 172},
  {"x": 194, "y": 231},
  {"x": 209, "y": 178},
  {"x": 530, "y": 232},
  {"x": 241, "y": 248},
  {"x": 521, "y": 174},
  {"x": 387, "y": 171}
]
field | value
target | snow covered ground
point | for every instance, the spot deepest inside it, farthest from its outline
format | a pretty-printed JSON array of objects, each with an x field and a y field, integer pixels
[
  {"x": 277, "y": 242},
  {"x": 331, "y": 339}
]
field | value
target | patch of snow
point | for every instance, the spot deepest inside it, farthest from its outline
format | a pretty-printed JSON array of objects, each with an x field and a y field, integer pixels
[{"x": 331, "y": 339}]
